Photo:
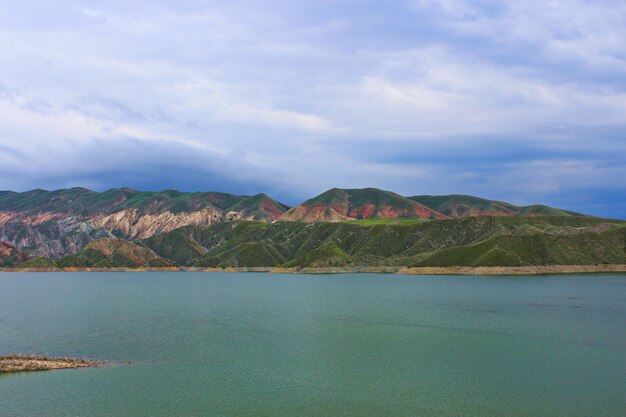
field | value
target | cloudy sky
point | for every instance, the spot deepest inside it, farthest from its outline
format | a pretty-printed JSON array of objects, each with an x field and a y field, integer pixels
[{"x": 523, "y": 101}]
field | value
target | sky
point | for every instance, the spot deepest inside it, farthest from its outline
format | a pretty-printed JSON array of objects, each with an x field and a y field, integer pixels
[{"x": 521, "y": 101}]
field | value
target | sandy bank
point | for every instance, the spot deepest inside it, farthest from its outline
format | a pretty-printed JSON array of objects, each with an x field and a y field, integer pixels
[
  {"x": 512, "y": 270},
  {"x": 30, "y": 363}
]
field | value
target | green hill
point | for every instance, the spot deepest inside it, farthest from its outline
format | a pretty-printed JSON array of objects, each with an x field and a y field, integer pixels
[
  {"x": 367, "y": 203},
  {"x": 84, "y": 202},
  {"x": 113, "y": 253},
  {"x": 464, "y": 205},
  {"x": 363, "y": 227},
  {"x": 327, "y": 255},
  {"x": 472, "y": 241}
]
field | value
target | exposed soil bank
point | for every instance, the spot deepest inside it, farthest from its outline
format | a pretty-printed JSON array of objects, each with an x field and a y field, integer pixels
[
  {"x": 77, "y": 269},
  {"x": 512, "y": 270},
  {"x": 426, "y": 270},
  {"x": 30, "y": 363},
  {"x": 338, "y": 270}
]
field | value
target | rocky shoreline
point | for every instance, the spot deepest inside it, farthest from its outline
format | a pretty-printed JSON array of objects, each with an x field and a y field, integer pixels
[
  {"x": 32, "y": 363},
  {"x": 403, "y": 270}
]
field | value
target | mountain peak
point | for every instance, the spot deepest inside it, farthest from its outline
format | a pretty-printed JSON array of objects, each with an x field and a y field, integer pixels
[{"x": 359, "y": 203}]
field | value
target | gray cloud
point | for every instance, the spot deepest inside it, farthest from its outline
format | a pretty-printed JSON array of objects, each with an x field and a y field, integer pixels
[{"x": 514, "y": 100}]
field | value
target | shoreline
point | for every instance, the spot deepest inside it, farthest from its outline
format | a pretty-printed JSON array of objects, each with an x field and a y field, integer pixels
[{"x": 400, "y": 270}]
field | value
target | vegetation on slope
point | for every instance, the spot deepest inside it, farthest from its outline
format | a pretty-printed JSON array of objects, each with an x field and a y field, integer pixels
[
  {"x": 464, "y": 205},
  {"x": 327, "y": 255},
  {"x": 38, "y": 263},
  {"x": 113, "y": 253},
  {"x": 477, "y": 241},
  {"x": 58, "y": 223},
  {"x": 360, "y": 227},
  {"x": 367, "y": 203},
  {"x": 536, "y": 249},
  {"x": 84, "y": 202}
]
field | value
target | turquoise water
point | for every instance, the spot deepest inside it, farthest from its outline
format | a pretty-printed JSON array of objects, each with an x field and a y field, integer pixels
[{"x": 316, "y": 345}]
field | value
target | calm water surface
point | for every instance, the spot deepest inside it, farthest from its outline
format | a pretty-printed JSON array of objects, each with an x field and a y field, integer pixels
[{"x": 316, "y": 345}]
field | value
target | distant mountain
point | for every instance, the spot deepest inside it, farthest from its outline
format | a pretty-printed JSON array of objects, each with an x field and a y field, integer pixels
[
  {"x": 42, "y": 224},
  {"x": 466, "y": 206},
  {"x": 259, "y": 207},
  {"x": 368, "y": 203},
  {"x": 87, "y": 203},
  {"x": 53, "y": 224}
]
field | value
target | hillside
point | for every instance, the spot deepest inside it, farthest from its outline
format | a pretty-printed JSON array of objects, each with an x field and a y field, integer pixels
[
  {"x": 465, "y": 206},
  {"x": 52, "y": 225},
  {"x": 369, "y": 203},
  {"x": 11, "y": 256},
  {"x": 476, "y": 241},
  {"x": 57, "y": 223},
  {"x": 109, "y": 253}
]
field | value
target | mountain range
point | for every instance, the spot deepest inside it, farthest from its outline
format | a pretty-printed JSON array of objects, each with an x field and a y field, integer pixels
[{"x": 78, "y": 227}]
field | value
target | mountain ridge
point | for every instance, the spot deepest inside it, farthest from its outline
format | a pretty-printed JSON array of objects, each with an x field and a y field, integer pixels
[
  {"x": 460, "y": 205},
  {"x": 339, "y": 204},
  {"x": 59, "y": 223}
]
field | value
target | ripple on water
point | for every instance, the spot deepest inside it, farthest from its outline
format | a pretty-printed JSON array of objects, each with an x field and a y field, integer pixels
[{"x": 363, "y": 345}]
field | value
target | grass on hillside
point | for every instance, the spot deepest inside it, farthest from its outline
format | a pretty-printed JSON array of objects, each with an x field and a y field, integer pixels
[{"x": 375, "y": 222}]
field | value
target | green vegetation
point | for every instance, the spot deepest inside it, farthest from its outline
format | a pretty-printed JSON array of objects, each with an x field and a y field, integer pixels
[
  {"x": 457, "y": 205},
  {"x": 327, "y": 255},
  {"x": 84, "y": 202},
  {"x": 113, "y": 253},
  {"x": 374, "y": 222},
  {"x": 379, "y": 198},
  {"x": 341, "y": 227},
  {"x": 475, "y": 241},
  {"x": 38, "y": 262},
  {"x": 585, "y": 248}
]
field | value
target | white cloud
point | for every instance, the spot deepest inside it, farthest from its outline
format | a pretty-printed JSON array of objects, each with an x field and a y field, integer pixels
[{"x": 293, "y": 95}]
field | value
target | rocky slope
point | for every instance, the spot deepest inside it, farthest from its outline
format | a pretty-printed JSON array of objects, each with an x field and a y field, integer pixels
[
  {"x": 11, "y": 256},
  {"x": 54, "y": 224}
]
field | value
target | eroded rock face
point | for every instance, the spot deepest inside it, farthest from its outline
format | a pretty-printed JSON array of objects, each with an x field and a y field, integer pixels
[
  {"x": 54, "y": 238},
  {"x": 132, "y": 224},
  {"x": 57, "y": 237},
  {"x": 54, "y": 224},
  {"x": 10, "y": 255}
]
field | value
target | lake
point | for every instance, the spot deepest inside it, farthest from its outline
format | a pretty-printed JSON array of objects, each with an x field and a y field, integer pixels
[{"x": 253, "y": 344}]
